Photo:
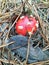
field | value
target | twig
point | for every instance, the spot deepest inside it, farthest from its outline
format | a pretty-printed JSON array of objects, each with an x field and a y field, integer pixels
[
  {"x": 13, "y": 24},
  {"x": 28, "y": 49},
  {"x": 44, "y": 37},
  {"x": 37, "y": 45},
  {"x": 40, "y": 63},
  {"x": 6, "y": 61},
  {"x": 41, "y": 12},
  {"x": 45, "y": 48},
  {"x": 1, "y": 46},
  {"x": 4, "y": 28},
  {"x": 40, "y": 20},
  {"x": 18, "y": 47},
  {"x": 16, "y": 60},
  {"x": 8, "y": 14},
  {"x": 36, "y": 14},
  {"x": 9, "y": 56}
]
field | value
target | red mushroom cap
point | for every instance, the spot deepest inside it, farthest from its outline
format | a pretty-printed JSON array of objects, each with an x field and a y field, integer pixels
[{"x": 26, "y": 24}]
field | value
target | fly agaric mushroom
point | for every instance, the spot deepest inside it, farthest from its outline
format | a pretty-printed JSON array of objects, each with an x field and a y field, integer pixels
[{"x": 26, "y": 24}]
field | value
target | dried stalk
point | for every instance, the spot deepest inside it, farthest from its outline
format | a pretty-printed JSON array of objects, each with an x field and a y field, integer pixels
[
  {"x": 4, "y": 45},
  {"x": 5, "y": 28},
  {"x": 40, "y": 63},
  {"x": 44, "y": 37},
  {"x": 7, "y": 61},
  {"x": 13, "y": 24},
  {"x": 28, "y": 49},
  {"x": 8, "y": 14},
  {"x": 37, "y": 45},
  {"x": 36, "y": 14},
  {"x": 45, "y": 48},
  {"x": 40, "y": 21}
]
